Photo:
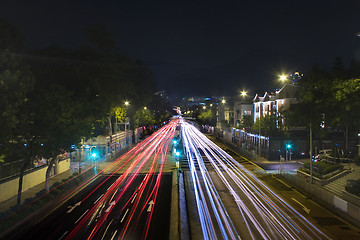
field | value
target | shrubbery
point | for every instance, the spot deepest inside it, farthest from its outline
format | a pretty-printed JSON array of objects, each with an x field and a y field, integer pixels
[
  {"x": 321, "y": 168},
  {"x": 353, "y": 187}
]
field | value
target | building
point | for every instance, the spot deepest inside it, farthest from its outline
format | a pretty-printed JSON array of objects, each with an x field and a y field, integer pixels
[
  {"x": 275, "y": 103},
  {"x": 242, "y": 108},
  {"x": 224, "y": 113}
]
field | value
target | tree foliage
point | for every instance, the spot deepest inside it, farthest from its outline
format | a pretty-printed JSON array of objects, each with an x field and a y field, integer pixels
[
  {"x": 330, "y": 99},
  {"x": 52, "y": 97}
]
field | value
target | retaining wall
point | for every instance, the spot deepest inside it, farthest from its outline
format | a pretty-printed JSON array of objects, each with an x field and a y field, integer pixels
[{"x": 9, "y": 189}]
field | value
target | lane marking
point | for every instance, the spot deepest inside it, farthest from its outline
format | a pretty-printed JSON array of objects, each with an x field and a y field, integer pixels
[
  {"x": 73, "y": 207},
  {"x": 110, "y": 186},
  {"x": 151, "y": 203},
  {"x": 305, "y": 208},
  {"x": 114, "y": 235},
  {"x": 106, "y": 229},
  {"x": 124, "y": 215},
  {"x": 134, "y": 198},
  {"x": 110, "y": 206},
  {"x": 63, "y": 235},
  {"x": 81, "y": 216},
  {"x": 98, "y": 198}
]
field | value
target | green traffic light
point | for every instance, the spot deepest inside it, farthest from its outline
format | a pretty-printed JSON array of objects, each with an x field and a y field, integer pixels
[{"x": 93, "y": 155}]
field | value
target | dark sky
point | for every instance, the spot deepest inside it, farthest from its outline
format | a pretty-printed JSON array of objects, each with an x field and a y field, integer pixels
[{"x": 203, "y": 47}]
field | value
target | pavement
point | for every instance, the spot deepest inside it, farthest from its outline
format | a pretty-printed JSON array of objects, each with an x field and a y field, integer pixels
[{"x": 31, "y": 192}]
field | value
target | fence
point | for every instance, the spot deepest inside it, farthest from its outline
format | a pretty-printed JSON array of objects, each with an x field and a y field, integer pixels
[{"x": 12, "y": 169}]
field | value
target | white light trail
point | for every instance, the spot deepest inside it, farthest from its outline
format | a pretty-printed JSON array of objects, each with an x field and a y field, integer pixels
[{"x": 264, "y": 213}]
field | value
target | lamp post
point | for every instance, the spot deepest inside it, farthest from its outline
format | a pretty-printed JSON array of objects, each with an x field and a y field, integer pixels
[
  {"x": 127, "y": 103},
  {"x": 359, "y": 145}
]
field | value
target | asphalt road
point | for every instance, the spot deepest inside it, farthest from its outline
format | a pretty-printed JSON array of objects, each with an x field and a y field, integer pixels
[
  {"x": 233, "y": 202},
  {"x": 130, "y": 198}
]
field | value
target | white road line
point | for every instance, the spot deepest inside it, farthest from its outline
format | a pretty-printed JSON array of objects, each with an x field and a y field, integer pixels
[
  {"x": 106, "y": 229},
  {"x": 114, "y": 235},
  {"x": 134, "y": 198},
  {"x": 140, "y": 185},
  {"x": 81, "y": 216},
  {"x": 110, "y": 186},
  {"x": 124, "y": 215},
  {"x": 98, "y": 198},
  {"x": 63, "y": 235}
]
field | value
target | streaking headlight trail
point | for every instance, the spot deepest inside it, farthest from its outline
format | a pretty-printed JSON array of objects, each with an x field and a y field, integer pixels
[{"x": 264, "y": 215}]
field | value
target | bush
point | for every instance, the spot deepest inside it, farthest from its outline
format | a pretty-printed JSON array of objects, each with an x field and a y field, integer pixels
[
  {"x": 321, "y": 168},
  {"x": 353, "y": 187}
]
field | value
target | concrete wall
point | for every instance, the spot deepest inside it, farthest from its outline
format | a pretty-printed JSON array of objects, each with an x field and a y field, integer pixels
[
  {"x": 347, "y": 208},
  {"x": 9, "y": 189}
]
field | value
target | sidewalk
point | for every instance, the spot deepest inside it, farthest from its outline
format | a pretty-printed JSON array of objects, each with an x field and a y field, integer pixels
[{"x": 30, "y": 193}]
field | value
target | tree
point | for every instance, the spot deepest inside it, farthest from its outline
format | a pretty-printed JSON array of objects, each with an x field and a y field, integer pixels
[
  {"x": 207, "y": 117},
  {"x": 16, "y": 81},
  {"x": 144, "y": 117},
  {"x": 10, "y": 37},
  {"x": 267, "y": 125},
  {"x": 246, "y": 122}
]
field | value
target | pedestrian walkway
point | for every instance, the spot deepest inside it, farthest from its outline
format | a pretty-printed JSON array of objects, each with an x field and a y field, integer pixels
[
  {"x": 338, "y": 186},
  {"x": 31, "y": 192}
]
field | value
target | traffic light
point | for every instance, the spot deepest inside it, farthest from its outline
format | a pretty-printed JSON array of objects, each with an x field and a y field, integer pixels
[
  {"x": 93, "y": 155},
  {"x": 288, "y": 146}
]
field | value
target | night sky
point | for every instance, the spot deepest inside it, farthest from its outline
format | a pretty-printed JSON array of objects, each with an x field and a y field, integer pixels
[{"x": 203, "y": 47}]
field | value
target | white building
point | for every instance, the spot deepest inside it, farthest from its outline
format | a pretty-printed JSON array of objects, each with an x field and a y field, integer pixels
[{"x": 275, "y": 103}]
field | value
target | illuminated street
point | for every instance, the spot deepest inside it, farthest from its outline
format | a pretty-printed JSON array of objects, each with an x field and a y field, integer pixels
[
  {"x": 121, "y": 201},
  {"x": 259, "y": 214}
]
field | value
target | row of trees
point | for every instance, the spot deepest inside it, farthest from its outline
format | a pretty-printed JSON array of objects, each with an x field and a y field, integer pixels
[
  {"x": 51, "y": 98},
  {"x": 330, "y": 101}
]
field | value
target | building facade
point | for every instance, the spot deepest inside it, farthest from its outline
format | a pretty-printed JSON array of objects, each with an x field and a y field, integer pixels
[{"x": 275, "y": 103}]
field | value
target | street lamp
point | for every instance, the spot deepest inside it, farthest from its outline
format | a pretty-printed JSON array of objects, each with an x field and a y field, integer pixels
[
  {"x": 243, "y": 93},
  {"x": 283, "y": 78},
  {"x": 126, "y": 103},
  {"x": 223, "y": 101}
]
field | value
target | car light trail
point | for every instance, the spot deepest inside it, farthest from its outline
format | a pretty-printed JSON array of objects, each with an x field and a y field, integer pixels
[
  {"x": 264, "y": 214},
  {"x": 151, "y": 150}
]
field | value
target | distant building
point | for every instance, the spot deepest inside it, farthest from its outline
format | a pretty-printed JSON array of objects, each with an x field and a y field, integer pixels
[
  {"x": 224, "y": 113},
  {"x": 242, "y": 108},
  {"x": 275, "y": 103}
]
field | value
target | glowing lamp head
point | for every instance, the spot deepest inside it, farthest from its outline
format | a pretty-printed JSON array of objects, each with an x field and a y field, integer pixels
[
  {"x": 283, "y": 77},
  {"x": 177, "y": 154},
  {"x": 93, "y": 155}
]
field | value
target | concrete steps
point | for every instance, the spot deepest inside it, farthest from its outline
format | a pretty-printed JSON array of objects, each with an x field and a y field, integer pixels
[{"x": 338, "y": 185}]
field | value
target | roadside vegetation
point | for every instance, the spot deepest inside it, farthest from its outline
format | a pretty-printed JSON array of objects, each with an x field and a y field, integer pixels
[{"x": 321, "y": 169}]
